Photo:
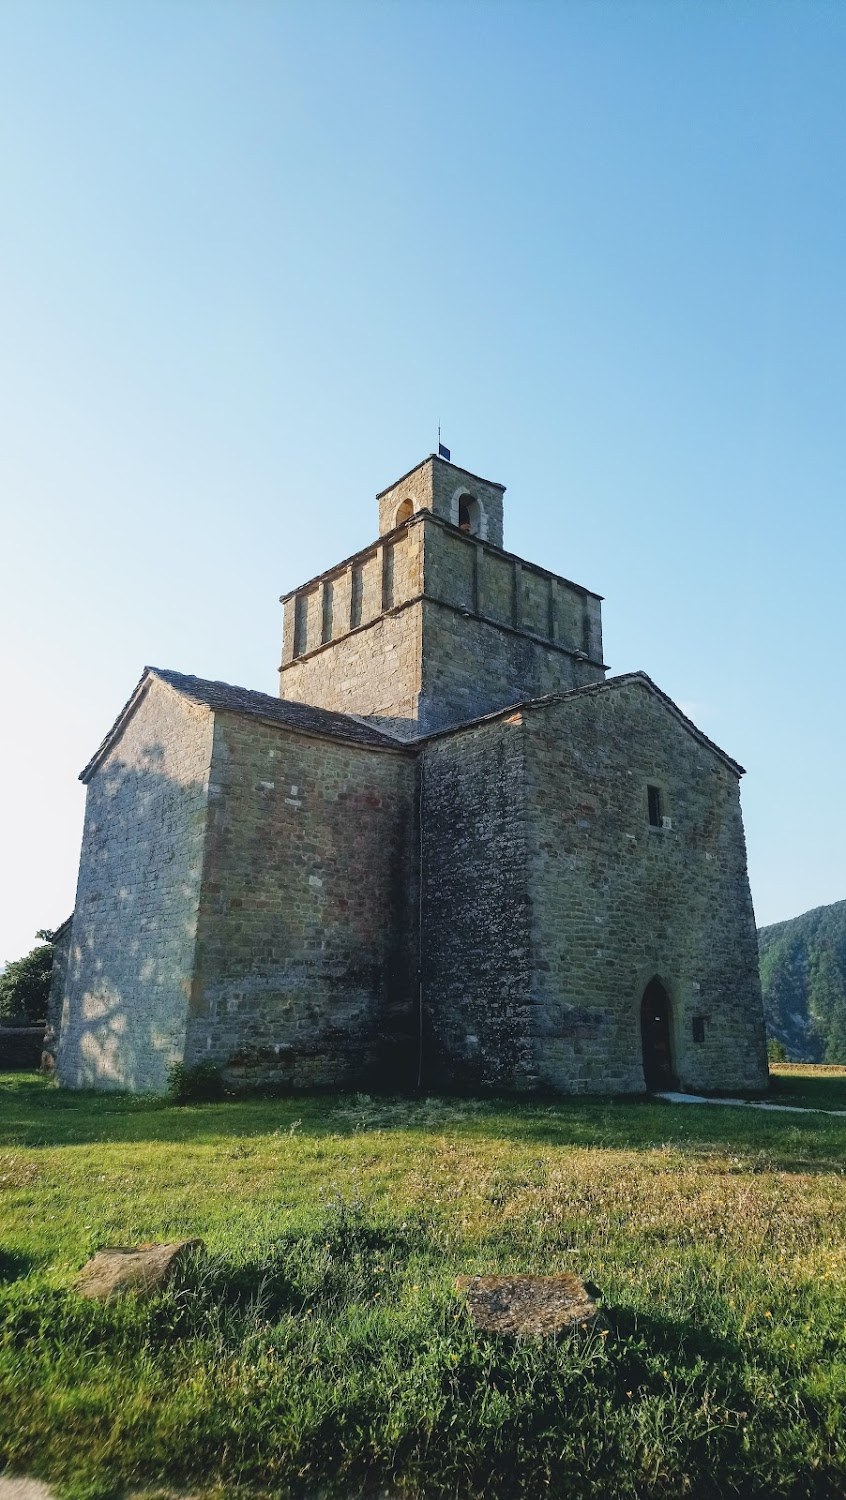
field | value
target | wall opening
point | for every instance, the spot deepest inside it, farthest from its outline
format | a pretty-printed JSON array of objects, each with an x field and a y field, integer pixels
[
  {"x": 405, "y": 510},
  {"x": 655, "y": 804},
  {"x": 328, "y": 612},
  {"x": 387, "y": 578},
  {"x": 469, "y": 515},
  {"x": 587, "y": 638},
  {"x": 300, "y": 624},
  {"x": 356, "y": 591},
  {"x": 655, "y": 1036}
]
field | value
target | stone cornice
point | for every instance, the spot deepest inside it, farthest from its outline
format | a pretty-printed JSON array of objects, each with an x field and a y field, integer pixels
[
  {"x": 456, "y": 609},
  {"x": 426, "y": 517}
]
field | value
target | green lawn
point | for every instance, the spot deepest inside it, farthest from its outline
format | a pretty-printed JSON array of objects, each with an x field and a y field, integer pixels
[
  {"x": 814, "y": 1087},
  {"x": 319, "y": 1348}
]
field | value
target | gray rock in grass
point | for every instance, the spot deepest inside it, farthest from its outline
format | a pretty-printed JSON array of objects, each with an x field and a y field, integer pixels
[
  {"x": 142, "y": 1269},
  {"x": 539, "y": 1305}
]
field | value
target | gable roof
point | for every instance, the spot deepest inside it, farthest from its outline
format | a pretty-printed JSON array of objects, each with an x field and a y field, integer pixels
[
  {"x": 625, "y": 679},
  {"x": 223, "y": 697}
]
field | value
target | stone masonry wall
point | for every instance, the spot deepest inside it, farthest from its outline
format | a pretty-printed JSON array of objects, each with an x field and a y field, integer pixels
[
  {"x": 134, "y": 925},
  {"x": 305, "y": 950},
  {"x": 615, "y": 902},
  {"x": 471, "y": 667},
  {"x": 351, "y": 596},
  {"x": 461, "y": 570},
  {"x": 374, "y": 672},
  {"x": 476, "y": 983}
]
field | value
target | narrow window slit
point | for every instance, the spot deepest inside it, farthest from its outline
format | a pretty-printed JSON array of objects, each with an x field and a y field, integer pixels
[{"x": 656, "y": 811}]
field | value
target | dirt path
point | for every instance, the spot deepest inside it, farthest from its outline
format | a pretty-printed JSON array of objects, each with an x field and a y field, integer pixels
[
  {"x": 788, "y": 1109},
  {"x": 24, "y": 1489}
]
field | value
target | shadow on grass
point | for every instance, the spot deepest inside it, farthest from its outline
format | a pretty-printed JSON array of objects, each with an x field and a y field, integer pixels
[
  {"x": 35, "y": 1114},
  {"x": 292, "y": 1330},
  {"x": 14, "y": 1265}
]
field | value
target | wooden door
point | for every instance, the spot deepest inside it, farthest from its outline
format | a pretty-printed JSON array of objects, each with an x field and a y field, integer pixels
[{"x": 655, "y": 1037}]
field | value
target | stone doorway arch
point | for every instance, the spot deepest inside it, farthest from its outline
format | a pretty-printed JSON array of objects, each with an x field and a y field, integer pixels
[{"x": 656, "y": 1037}]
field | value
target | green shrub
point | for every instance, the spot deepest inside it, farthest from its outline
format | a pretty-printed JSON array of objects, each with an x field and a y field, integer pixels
[
  {"x": 776, "y": 1051},
  {"x": 25, "y": 984},
  {"x": 201, "y": 1084}
]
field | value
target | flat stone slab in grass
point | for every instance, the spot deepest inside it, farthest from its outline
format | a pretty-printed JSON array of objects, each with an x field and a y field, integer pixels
[
  {"x": 538, "y": 1305},
  {"x": 783, "y": 1109},
  {"x": 142, "y": 1269}
]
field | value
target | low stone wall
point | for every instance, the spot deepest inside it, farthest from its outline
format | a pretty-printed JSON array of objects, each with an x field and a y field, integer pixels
[
  {"x": 21, "y": 1047},
  {"x": 58, "y": 978}
]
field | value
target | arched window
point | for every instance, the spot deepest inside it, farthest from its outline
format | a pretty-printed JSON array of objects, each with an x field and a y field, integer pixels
[
  {"x": 469, "y": 514},
  {"x": 405, "y": 510}
]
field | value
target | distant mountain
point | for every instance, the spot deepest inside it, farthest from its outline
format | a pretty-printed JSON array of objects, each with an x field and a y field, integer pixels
[{"x": 803, "y": 976}]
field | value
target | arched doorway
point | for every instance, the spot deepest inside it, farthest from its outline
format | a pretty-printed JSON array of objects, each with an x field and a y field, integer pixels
[{"x": 655, "y": 1037}]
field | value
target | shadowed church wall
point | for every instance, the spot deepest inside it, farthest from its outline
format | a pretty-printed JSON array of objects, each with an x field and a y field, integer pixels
[
  {"x": 617, "y": 900},
  {"x": 131, "y": 953},
  {"x": 306, "y": 940},
  {"x": 476, "y": 982}
]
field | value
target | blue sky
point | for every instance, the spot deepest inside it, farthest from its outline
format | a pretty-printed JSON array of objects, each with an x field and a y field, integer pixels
[{"x": 250, "y": 254}]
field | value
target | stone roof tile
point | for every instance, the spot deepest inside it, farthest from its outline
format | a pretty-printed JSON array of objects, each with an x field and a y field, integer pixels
[
  {"x": 609, "y": 684},
  {"x": 224, "y": 697}
]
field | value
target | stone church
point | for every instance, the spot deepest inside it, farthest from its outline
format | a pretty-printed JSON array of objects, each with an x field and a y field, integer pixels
[{"x": 452, "y": 853}]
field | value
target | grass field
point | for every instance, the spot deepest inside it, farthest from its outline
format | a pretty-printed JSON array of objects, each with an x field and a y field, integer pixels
[{"x": 319, "y": 1348}]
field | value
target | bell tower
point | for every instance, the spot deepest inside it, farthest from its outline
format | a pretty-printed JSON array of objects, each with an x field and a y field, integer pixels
[
  {"x": 434, "y": 623},
  {"x": 472, "y": 504}
]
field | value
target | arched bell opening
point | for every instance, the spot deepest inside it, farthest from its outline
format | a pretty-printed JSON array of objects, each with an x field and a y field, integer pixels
[
  {"x": 656, "y": 1037},
  {"x": 469, "y": 514},
  {"x": 405, "y": 510}
]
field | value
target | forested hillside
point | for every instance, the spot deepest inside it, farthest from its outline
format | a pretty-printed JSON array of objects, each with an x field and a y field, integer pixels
[{"x": 803, "y": 974}]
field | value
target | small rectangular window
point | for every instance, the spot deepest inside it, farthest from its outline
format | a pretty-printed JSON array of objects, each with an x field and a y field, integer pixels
[
  {"x": 699, "y": 1028},
  {"x": 656, "y": 811}
]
